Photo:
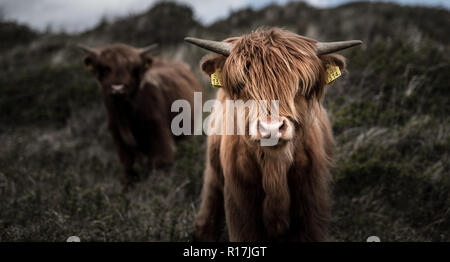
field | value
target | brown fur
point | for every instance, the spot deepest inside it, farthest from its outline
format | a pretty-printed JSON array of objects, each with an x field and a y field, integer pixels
[
  {"x": 139, "y": 118},
  {"x": 270, "y": 193}
]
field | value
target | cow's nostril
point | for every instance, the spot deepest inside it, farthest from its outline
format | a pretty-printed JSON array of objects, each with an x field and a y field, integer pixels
[
  {"x": 283, "y": 126},
  {"x": 272, "y": 128}
]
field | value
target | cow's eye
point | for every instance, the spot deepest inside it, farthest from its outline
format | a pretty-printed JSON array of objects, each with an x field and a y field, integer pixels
[
  {"x": 136, "y": 71},
  {"x": 239, "y": 86},
  {"x": 103, "y": 71},
  {"x": 247, "y": 66}
]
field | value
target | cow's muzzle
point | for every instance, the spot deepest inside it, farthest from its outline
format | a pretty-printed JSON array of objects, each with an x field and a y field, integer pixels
[
  {"x": 277, "y": 130},
  {"x": 117, "y": 89}
]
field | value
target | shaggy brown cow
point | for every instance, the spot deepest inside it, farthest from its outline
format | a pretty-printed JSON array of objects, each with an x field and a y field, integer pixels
[
  {"x": 138, "y": 91},
  {"x": 279, "y": 192}
]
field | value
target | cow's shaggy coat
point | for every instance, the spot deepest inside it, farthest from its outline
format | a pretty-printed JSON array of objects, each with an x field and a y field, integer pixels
[
  {"x": 270, "y": 193},
  {"x": 138, "y": 91}
]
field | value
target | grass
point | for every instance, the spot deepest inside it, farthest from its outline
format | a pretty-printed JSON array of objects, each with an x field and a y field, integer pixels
[
  {"x": 389, "y": 183},
  {"x": 53, "y": 191}
]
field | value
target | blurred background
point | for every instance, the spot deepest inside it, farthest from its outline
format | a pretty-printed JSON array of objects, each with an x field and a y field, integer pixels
[{"x": 59, "y": 174}]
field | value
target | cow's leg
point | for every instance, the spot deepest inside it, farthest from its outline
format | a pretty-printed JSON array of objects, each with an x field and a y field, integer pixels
[
  {"x": 127, "y": 158},
  {"x": 162, "y": 149},
  {"x": 131, "y": 176},
  {"x": 310, "y": 207},
  {"x": 210, "y": 218},
  {"x": 243, "y": 212}
]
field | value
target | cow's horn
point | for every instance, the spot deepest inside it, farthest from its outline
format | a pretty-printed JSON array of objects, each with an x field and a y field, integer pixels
[
  {"x": 89, "y": 50},
  {"x": 324, "y": 48},
  {"x": 222, "y": 48},
  {"x": 148, "y": 49}
]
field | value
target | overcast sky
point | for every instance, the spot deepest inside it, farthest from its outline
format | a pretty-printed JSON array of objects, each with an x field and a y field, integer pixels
[{"x": 78, "y": 15}]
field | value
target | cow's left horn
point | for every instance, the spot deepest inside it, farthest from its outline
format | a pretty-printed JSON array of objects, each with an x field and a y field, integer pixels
[
  {"x": 89, "y": 50},
  {"x": 324, "y": 48},
  {"x": 148, "y": 49},
  {"x": 222, "y": 48}
]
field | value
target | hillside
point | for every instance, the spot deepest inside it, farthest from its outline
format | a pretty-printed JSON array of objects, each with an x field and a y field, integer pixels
[{"x": 59, "y": 175}]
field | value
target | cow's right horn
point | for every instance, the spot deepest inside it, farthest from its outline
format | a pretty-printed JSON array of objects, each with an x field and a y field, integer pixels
[
  {"x": 148, "y": 49},
  {"x": 222, "y": 48},
  {"x": 89, "y": 50},
  {"x": 323, "y": 48}
]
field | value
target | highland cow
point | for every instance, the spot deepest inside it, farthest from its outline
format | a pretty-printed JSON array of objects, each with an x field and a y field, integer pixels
[
  {"x": 138, "y": 90},
  {"x": 277, "y": 193}
]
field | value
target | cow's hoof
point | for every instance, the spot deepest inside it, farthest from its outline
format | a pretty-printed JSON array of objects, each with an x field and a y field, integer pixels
[
  {"x": 202, "y": 236},
  {"x": 161, "y": 164},
  {"x": 130, "y": 183}
]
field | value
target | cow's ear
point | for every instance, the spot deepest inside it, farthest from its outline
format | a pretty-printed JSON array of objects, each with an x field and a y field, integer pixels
[
  {"x": 210, "y": 63},
  {"x": 89, "y": 63},
  {"x": 328, "y": 74},
  {"x": 147, "y": 60},
  {"x": 335, "y": 60}
]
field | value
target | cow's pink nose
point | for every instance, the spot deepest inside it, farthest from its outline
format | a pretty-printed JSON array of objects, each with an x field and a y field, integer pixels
[
  {"x": 272, "y": 128},
  {"x": 117, "y": 89}
]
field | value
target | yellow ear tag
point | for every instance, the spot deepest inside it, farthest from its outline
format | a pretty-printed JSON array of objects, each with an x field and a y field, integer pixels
[
  {"x": 90, "y": 68},
  {"x": 216, "y": 79},
  {"x": 333, "y": 72}
]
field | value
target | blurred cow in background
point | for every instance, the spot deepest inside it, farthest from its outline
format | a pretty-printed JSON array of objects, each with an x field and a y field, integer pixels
[
  {"x": 138, "y": 90},
  {"x": 278, "y": 192}
]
